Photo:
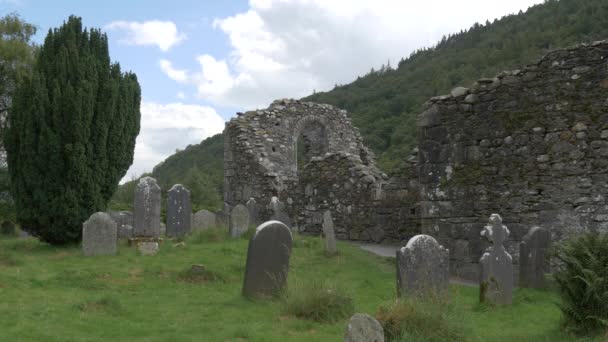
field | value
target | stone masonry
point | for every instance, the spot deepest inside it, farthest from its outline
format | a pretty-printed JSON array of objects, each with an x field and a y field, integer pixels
[
  {"x": 531, "y": 144},
  {"x": 338, "y": 172}
]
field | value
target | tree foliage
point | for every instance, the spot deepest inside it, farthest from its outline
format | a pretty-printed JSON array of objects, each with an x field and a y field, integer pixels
[{"x": 71, "y": 133}]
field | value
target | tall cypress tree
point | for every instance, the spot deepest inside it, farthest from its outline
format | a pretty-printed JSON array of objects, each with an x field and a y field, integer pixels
[{"x": 71, "y": 133}]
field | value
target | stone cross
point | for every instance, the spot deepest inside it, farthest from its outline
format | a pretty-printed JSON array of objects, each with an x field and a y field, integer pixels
[
  {"x": 239, "y": 220},
  {"x": 278, "y": 211},
  {"x": 533, "y": 258},
  {"x": 99, "y": 235},
  {"x": 179, "y": 211},
  {"x": 203, "y": 220},
  {"x": 496, "y": 276},
  {"x": 363, "y": 328},
  {"x": 423, "y": 267},
  {"x": 147, "y": 209},
  {"x": 267, "y": 260},
  {"x": 330, "y": 235}
]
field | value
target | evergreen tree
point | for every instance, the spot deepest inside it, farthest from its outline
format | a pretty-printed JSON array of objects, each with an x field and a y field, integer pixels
[{"x": 71, "y": 133}]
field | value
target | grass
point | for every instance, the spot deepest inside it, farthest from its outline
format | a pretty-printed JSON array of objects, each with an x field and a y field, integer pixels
[{"x": 55, "y": 294}]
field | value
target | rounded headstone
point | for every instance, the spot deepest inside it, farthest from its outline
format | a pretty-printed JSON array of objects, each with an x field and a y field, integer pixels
[
  {"x": 99, "y": 235},
  {"x": 203, "y": 220},
  {"x": 423, "y": 266},
  {"x": 239, "y": 220},
  {"x": 363, "y": 328},
  {"x": 267, "y": 260}
]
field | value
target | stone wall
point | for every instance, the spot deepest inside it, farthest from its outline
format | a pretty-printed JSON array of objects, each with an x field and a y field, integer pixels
[
  {"x": 338, "y": 173},
  {"x": 529, "y": 144}
]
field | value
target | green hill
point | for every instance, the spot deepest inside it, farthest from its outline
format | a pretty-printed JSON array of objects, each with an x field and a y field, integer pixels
[{"x": 384, "y": 103}]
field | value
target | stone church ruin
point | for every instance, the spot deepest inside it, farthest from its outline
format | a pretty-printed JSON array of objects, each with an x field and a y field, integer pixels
[{"x": 530, "y": 144}]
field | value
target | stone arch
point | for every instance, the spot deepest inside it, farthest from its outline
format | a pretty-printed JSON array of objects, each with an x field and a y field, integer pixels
[{"x": 314, "y": 133}]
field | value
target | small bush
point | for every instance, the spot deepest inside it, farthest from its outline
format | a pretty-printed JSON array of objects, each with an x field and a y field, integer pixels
[
  {"x": 417, "y": 319},
  {"x": 199, "y": 274},
  {"x": 218, "y": 234},
  {"x": 317, "y": 301},
  {"x": 582, "y": 280}
]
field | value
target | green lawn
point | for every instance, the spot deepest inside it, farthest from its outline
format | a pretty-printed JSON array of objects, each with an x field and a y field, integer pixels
[{"x": 55, "y": 294}]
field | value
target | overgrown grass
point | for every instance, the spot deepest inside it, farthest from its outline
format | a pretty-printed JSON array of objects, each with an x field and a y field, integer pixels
[
  {"x": 317, "y": 300},
  {"x": 55, "y": 294},
  {"x": 217, "y": 234},
  {"x": 424, "y": 318}
]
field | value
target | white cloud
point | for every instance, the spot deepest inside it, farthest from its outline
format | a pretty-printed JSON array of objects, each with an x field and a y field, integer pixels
[
  {"x": 174, "y": 74},
  {"x": 287, "y": 48},
  {"x": 180, "y": 95},
  {"x": 163, "y": 34},
  {"x": 167, "y": 127}
]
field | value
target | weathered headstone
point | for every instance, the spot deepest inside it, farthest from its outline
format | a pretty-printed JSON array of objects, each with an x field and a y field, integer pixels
[
  {"x": 147, "y": 247},
  {"x": 423, "y": 267},
  {"x": 163, "y": 229},
  {"x": 124, "y": 223},
  {"x": 147, "y": 208},
  {"x": 363, "y": 328},
  {"x": 8, "y": 228},
  {"x": 179, "y": 211},
  {"x": 267, "y": 260},
  {"x": 496, "y": 276},
  {"x": 278, "y": 211},
  {"x": 239, "y": 221},
  {"x": 533, "y": 258},
  {"x": 330, "y": 235},
  {"x": 254, "y": 215},
  {"x": 203, "y": 220},
  {"x": 99, "y": 235}
]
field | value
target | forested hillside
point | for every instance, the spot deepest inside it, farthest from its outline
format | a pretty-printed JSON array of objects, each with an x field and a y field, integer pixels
[{"x": 384, "y": 103}]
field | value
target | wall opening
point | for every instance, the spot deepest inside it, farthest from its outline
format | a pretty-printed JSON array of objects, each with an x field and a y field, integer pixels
[{"x": 312, "y": 142}]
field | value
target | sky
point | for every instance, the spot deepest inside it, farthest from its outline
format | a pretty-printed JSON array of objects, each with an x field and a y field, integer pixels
[{"x": 200, "y": 62}]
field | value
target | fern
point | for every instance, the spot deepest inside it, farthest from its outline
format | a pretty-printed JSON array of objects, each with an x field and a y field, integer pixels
[{"x": 582, "y": 279}]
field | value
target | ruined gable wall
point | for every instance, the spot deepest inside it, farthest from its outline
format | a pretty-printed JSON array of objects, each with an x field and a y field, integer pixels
[{"x": 530, "y": 144}]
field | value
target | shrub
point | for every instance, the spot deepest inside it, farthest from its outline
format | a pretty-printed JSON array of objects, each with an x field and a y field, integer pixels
[
  {"x": 582, "y": 280},
  {"x": 417, "y": 319},
  {"x": 318, "y": 301}
]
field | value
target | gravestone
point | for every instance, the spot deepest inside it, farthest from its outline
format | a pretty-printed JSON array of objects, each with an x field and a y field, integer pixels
[
  {"x": 267, "y": 260},
  {"x": 423, "y": 267},
  {"x": 147, "y": 209},
  {"x": 496, "y": 276},
  {"x": 203, "y": 220},
  {"x": 363, "y": 328},
  {"x": 99, "y": 235},
  {"x": 163, "y": 229},
  {"x": 254, "y": 215},
  {"x": 179, "y": 211},
  {"x": 533, "y": 258},
  {"x": 124, "y": 223},
  {"x": 239, "y": 221},
  {"x": 330, "y": 235},
  {"x": 223, "y": 215},
  {"x": 278, "y": 211},
  {"x": 8, "y": 228},
  {"x": 147, "y": 247}
]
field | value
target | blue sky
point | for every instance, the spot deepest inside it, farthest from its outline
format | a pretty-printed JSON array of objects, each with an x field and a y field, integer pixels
[{"x": 199, "y": 62}]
